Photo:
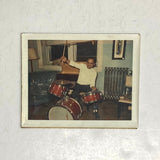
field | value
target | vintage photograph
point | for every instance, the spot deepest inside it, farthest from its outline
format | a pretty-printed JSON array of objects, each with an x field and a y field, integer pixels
[{"x": 80, "y": 80}]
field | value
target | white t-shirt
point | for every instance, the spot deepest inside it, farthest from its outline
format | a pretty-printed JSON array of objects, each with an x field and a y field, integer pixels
[{"x": 86, "y": 76}]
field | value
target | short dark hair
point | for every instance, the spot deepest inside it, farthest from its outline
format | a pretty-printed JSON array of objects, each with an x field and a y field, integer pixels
[{"x": 94, "y": 59}]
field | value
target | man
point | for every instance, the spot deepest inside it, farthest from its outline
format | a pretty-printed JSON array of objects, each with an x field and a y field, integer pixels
[{"x": 87, "y": 76}]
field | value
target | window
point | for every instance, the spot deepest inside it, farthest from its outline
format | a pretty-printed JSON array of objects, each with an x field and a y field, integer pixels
[
  {"x": 57, "y": 52},
  {"x": 85, "y": 50},
  {"x": 77, "y": 51}
]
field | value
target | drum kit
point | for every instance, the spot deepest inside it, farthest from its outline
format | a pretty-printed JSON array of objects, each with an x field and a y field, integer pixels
[{"x": 67, "y": 108}]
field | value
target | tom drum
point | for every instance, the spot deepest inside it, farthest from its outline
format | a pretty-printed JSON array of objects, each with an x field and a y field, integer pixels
[
  {"x": 91, "y": 97},
  {"x": 57, "y": 90}
]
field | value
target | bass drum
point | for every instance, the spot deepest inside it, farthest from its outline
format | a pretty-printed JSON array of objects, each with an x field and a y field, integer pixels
[{"x": 65, "y": 109}]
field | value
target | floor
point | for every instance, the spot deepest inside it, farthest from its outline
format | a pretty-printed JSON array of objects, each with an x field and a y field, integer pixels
[{"x": 107, "y": 110}]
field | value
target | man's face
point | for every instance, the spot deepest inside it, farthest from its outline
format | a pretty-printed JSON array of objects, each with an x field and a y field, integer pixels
[{"x": 90, "y": 63}]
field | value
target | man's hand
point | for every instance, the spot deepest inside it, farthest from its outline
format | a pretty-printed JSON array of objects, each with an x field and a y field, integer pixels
[
  {"x": 64, "y": 59},
  {"x": 93, "y": 88}
]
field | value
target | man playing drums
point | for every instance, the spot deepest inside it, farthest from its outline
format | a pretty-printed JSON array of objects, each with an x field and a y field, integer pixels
[{"x": 86, "y": 79}]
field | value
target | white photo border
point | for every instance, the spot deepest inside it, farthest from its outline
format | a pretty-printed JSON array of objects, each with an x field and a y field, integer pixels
[{"x": 133, "y": 123}]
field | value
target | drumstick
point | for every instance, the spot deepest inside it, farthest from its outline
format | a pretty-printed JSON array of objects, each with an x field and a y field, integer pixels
[{"x": 64, "y": 50}]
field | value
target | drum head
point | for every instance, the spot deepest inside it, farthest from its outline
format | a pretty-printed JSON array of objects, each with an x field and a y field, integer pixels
[{"x": 59, "y": 113}]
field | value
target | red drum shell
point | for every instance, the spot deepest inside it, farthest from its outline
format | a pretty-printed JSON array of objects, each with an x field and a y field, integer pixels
[
  {"x": 92, "y": 97},
  {"x": 66, "y": 109},
  {"x": 57, "y": 90}
]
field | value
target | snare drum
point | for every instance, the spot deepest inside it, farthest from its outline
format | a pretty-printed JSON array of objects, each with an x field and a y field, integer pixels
[
  {"x": 65, "y": 109},
  {"x": 57, "y": 90},
  {"x": 92, "y": 97}
]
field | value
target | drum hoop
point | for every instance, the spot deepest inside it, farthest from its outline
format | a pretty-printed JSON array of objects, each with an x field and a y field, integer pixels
[
  {"x": 92, "y": 101},
  {"x": 59, "y": 85},
  {"x": 92, "y": 93}
]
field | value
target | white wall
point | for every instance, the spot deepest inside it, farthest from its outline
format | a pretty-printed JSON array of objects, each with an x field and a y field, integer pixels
[{"x": 75, "y": 16}]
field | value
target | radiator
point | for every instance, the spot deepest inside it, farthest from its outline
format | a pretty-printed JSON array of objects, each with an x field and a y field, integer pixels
[{"x": 114, "y": 82}]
